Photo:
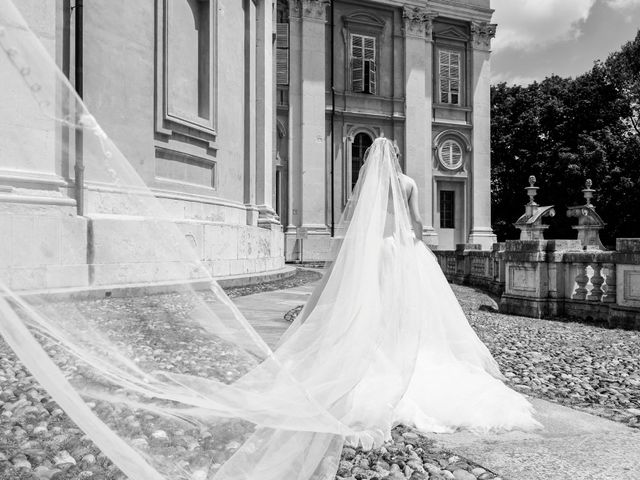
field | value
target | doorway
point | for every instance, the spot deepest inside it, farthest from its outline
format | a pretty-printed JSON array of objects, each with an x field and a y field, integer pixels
[{"x": 449, "y": 214}]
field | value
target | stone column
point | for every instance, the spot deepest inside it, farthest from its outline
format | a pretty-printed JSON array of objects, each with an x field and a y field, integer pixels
[
  {"x": 313, "y": 134},
  {"x": 418, "y": 110},
  {"x": 264, "y": 114},
  {"x": 481, "y": 231}
]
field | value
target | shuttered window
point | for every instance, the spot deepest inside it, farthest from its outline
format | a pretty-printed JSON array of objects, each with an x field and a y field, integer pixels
[
  {"x": 449, "y": 76},
  {"x": 450, "y": 153},
  {"x": 282, "y": 54},
  {"x": 363, "y": 64}
]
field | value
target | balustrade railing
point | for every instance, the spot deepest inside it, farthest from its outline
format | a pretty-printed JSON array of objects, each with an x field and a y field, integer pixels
[{"x": 554, "y": 278}]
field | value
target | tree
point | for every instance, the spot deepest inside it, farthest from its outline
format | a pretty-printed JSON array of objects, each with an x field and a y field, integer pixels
[{"x": 564, "y": 131}]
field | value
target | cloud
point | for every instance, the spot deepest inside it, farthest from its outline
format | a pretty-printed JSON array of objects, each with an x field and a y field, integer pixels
[
  {"x": 530, "y": 24},
  {"x": 565, "y": 49},
  {"x": 510, "y": 78},
  {"x": 623, "y": 4}
]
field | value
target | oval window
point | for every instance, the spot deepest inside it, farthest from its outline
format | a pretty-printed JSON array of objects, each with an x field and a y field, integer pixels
[{"x": 450, "y": 153}]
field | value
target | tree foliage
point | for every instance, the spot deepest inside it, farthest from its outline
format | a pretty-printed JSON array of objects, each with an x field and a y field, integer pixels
[{"x": 563, "y": 131}]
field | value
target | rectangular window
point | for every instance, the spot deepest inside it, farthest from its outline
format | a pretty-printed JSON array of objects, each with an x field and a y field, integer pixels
[
  {"x": 282, "y": 54},
  {"x": 449, "y": 75},
  {"x": 447, "y": 209},
  {"x": 363, "y": 64}
]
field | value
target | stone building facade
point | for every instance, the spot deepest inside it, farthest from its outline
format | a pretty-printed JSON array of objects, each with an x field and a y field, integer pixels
[
  {"x": 247, "y": 117},
  {"x": 185, "y": 90},
  {"x": 415, "y": 71}
]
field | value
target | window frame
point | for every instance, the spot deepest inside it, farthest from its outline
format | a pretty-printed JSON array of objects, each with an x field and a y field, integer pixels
[
  {"x": 369, "y": 65},
  {"x": 451, "y": 166},
  {"x": 461, "y": 79}
]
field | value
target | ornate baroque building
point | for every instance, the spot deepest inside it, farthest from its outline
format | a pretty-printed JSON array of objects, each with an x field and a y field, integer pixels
[
  {"x": 417, "y": 72},
  {"x": 247, "y": 118}
]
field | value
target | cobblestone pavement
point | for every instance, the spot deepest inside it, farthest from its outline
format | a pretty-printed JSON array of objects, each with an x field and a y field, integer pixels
[
  {"x": 578, "y": 365},
  {"x": 585, "y": 367}
]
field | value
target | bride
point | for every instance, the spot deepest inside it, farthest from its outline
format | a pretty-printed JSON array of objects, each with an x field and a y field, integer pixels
[
  {"x": 419, "y": 361},
  {"x": 179, "y": 386}
]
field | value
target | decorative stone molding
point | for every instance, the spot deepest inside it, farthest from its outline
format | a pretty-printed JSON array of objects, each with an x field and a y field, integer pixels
[
  {"x": 295, "y": 9},
  {"x": 463, "y": 142},
  {"x": 482, "y": 33},
  {"x": 364, "y": 21},
  {"x": 310, "y": 9},
  {"x": 418, "y": 22}
]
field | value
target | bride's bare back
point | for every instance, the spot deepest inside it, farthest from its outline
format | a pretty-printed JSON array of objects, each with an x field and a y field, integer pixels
[{"x": 410, "y": 190}]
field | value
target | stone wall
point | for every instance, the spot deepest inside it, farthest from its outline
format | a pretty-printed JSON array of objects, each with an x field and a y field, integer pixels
[
  {"x": 201, "y": 145},
  {"x": 554, "y": 278}
]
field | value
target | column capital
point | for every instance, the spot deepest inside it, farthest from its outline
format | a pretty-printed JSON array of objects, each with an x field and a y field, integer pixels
[
  {"x": 418, "y": 22},
  {"x": 481, "y": 34},
  {"x": 309, "y": 9}
]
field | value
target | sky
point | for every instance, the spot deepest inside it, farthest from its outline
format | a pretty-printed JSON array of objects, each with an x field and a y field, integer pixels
[{"x": 537, "y": 38}]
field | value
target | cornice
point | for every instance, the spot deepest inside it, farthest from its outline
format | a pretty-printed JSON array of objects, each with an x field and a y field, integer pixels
[{"x": 447, "y": 8}]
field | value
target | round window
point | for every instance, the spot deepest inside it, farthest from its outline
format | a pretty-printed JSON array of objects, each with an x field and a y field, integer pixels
[{"x": 450, "y": 153}]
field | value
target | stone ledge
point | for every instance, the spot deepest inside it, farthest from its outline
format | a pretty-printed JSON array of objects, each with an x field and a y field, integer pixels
[
  {"x": 253, "y": 278},
  {"x": 108, "y": 291},
  {"x": 157, "y": 288}
]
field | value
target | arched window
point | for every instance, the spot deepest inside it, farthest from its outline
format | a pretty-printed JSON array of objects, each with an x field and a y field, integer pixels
[{"x": 361, "y": 142}]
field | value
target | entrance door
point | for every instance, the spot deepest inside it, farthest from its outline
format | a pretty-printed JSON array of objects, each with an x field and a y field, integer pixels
[{"x": 449, "y": 217}]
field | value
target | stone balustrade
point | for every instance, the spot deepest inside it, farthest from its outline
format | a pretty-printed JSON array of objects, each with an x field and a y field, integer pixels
[{"x": 554, "y": 278}]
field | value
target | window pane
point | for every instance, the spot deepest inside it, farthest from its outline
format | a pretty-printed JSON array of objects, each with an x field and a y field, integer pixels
[
  {"x": 372, "y": 77},
  {"x": 282, "y": 35},
  {"x": 369, "y": 48},
  {"x": 282, "y": 66},
  {"x": 447, "y": 209},
  {"x": 356, "y": 46},
  {"x": 357, "y": 75}
]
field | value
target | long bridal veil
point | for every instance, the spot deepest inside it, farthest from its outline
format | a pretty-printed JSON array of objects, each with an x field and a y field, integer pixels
[{"x": 178, "y": 385}]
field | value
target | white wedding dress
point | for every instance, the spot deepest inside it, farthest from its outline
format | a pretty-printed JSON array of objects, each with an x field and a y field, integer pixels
[
  {"x": 386, "y": 307},
  {"x": 179, "y": 386}
]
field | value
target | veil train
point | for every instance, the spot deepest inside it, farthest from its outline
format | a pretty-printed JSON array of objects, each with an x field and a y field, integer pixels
[{"x": 178, "y": 385}]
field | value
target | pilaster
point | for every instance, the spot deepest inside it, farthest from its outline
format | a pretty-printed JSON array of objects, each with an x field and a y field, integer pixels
[
  {"x": 264, "y": 114},
  {"x": 418, "y": 22},
  {"x": 294, "y": 172},
  {"x": 313, "y": 18},
  {"x": 250, "y": 116},
  {"x": 481, "y": 232}
]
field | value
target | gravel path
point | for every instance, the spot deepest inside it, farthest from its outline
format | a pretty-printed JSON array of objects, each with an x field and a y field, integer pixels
[
  {"x": 585, "y": 367},
  {"x": 574, "y": 364}
]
